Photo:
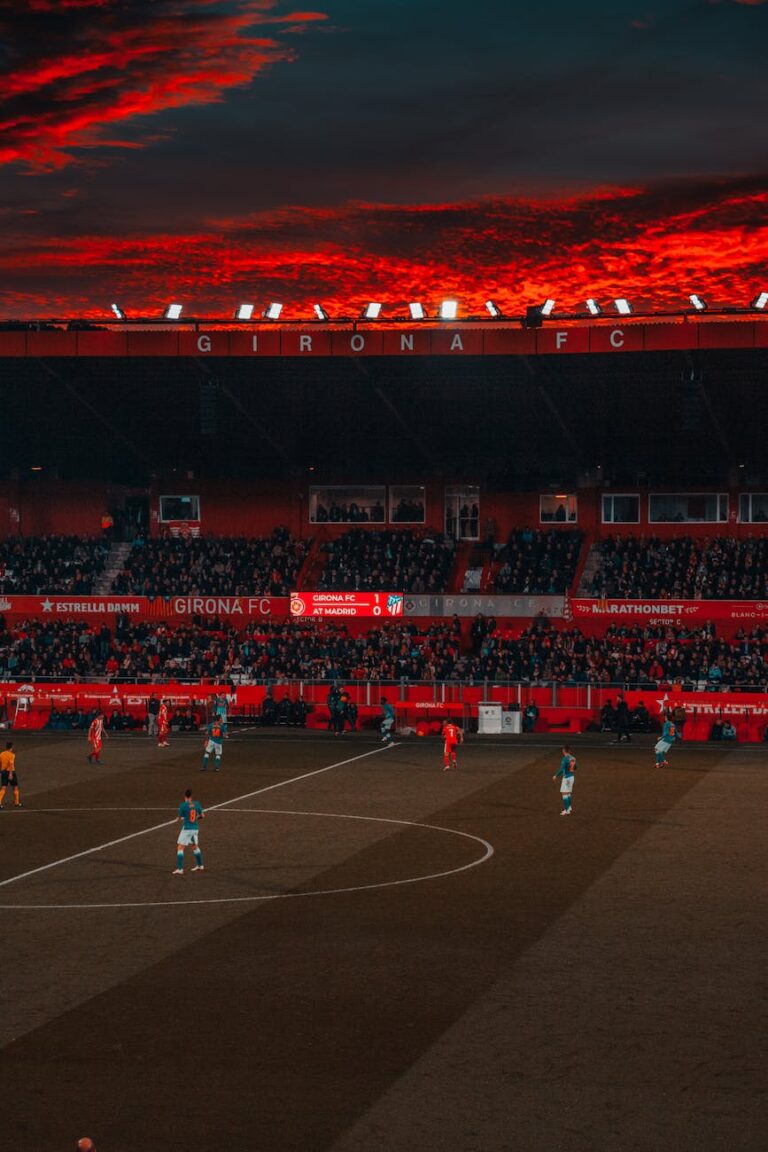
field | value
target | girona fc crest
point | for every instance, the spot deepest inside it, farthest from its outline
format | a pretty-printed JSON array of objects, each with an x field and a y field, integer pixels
[
  {"x": 298, "y": 607},
  {"x": 395, "y": 604}
]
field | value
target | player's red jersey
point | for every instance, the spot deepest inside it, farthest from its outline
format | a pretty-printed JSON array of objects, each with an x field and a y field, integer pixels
[
  {"x": 453, "y": 735},
  {"x": 96, "y": 731}
]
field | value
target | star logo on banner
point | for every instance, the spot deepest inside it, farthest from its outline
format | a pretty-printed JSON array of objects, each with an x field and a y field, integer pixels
[
  {"x": 663, "y": 703},
  {"x": 47, "y": 605}
]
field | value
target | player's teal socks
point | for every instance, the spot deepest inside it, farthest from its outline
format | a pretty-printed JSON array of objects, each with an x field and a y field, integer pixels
[
  {"x": 659, "y": 759},
  {"x": 180, "y": 860},
  {"x": 198, "y": 857},
  {"x": 567, "y": 803},
  {"x": 205, "y": 764},
  {"x": 217, "y": 764}
]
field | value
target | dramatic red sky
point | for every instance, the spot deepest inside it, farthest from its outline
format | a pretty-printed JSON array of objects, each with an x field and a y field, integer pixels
[{"x": 213, "y": 152}]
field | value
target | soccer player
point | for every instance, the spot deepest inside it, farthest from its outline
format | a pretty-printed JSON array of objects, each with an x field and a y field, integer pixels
[
  {"x": 388, "y": 721},
  {"x": 453, "y": 736},
  {"x": 96, "y": 738},
  {"x": 163, "y": 725},
  {"x": 190, "y": 814},
  {"x": 565, "y": 774},
  {"x": 8, "y": 777},
  {"x": 221, "y": 712},
  {"x": 669, "y": 733},
  {"x": 215, "y": 736}
]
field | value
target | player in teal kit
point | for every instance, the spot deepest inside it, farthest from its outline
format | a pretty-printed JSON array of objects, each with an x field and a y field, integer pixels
[
  {"x": 220, "y": 712},
  {"x": 669, "y": 733},
  {"x": 388, "y": 721},
  {"x": 190, "y": 814},
  {"x": 565, "y": 775},
  {"x": 215, "y": 736}
]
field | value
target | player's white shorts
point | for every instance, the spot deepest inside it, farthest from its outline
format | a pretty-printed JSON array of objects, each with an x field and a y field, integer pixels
[
  {"x": 386, "y": 725},
  {"x": 566, "y": 786},
  {"x": 213, "y": 746},
  {"x": 662, "y": 746},
  {"x": 189, "y": 837}
]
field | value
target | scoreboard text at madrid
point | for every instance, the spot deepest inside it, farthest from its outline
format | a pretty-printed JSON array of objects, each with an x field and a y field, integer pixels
[{"x": 370, "y": 604}]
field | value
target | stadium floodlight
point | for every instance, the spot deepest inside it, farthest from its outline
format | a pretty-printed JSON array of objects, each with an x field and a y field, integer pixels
[
  {"x": 320, "y": 312},
  {"x": 417, "y": 311},
  {"x": 173, "y": 312},
  {"x": 760, "y": 301},
  {"x": 371, "y": 312},
  {"x": 244, "y": 312},
  {"x": 622, "y": 306},
  {"x": 449, "y": 309},
  {"x": 547, "y": 308},
  {"x": 493, "y": 309},
  {"x": 593, "y": 307},
  {"x": 698, "y": 302},
  {"x": 272, "y": 311},
  {"x": 120, "y": 315}
]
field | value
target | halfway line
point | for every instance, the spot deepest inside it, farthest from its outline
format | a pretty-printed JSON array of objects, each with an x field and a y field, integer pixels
[{"x": 168, "y": 823}]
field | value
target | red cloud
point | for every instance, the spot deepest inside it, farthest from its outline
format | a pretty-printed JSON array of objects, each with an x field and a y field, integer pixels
[
  {"x": 132, "y": 61},
  {"x": 654, "y": 248}
]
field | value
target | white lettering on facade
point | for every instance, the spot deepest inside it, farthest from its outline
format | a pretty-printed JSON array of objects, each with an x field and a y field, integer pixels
[
  {"x": 357, "y": 343},
  {"x": 457, "y": 344},
  {"x": 406, "y": 341},
  {"x": 203, "y": 343},
  {"x": 561, "y": 338},
  {"x": 305, "y": 343},
  {"x": 617, "y": 338}
]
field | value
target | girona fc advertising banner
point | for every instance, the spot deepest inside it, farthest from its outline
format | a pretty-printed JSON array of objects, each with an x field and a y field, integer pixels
[
  {"x": 746, "y": 612},
  {"x": 171, "y": 608},
  {"x": 386, "y": 605}
]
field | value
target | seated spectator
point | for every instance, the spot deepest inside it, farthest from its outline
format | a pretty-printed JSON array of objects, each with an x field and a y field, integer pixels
[
  {"x": 298, "y": 716},
  {"x": 116, "y": 721},
  {"x": 608, "y": 717},
  {"x": 37, "y": 565},
  {"x": 729, "y": 732},
  {"x": 641, "y": 719},
  {"x": 716, "y": 731}
]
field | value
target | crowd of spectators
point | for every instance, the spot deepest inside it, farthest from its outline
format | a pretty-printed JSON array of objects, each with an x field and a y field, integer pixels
[
  {"x": 213, "y": 566},
  {"x": 636, "y": 656},
  {"x": 303, "y": 649},
  {"x": 537, "y": 563},
  {"x": 37, "y": 565},
  {"x": 351, "y": 513},
  {"x": 681, "y": 568},
  {"x": 398, "y": 561},
  {"x": 321, "y": 650}
]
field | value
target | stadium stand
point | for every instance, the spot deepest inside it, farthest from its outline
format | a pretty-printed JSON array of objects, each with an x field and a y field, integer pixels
[
  {"x": 394, "y": 560},
  {"x": 681, "y": 568},
  {"x": 210, "y": 566},
  {"x": 536, "y": 562},
  {"x": 38, "y": 565},
  {"x": 318, "y": 650}
]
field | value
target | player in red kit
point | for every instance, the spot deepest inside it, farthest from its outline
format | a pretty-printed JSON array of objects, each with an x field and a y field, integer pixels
[
  {"x": 453, "y": 736},
  {"x": 163, "y": 725},
  {"x": 96, "y": 738}
]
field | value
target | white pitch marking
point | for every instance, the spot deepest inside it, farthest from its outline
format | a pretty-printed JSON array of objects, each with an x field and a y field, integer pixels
[
  {"x": 168, "y": 823},
  {"x": 291, "y": 895}
]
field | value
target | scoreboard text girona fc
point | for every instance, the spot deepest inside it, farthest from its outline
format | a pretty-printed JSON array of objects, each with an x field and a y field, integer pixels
[{"x": 375, "y": 604}]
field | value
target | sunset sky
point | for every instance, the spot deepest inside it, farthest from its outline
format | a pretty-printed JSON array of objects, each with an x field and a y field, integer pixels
[{"x": 214, "y": 151}]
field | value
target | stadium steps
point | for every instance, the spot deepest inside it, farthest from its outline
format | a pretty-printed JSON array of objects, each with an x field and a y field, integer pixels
[
  {"x": 308, "y": 579},
  {"x": 115, "y": 563},
  {"x": 583, "y": 581},
  {"x": 461, "y": 562}
]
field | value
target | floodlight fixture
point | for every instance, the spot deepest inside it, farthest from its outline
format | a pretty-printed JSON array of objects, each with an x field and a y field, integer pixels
[
  {"x": 417, "y": 311},
  {"x": 493, "y": 309},
  {"x": 593, "y": 307},
  {"x": 449, "y": 309},
  {"x": 698, "y": 302},
  {"x": 244, "y": 312},
  {"x": 173, "y": 312},
  {"x": 760, "y": 302},
  {"x": 623, "y": 306},
  {"x": 119, "y": 314},
  {"x": 320, "y": 312},
  {"x": 371, "y": 312},
  {"x": 547, "y": 308},
  {"x": 272, "y": 311}
]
